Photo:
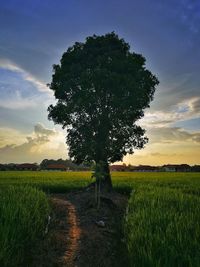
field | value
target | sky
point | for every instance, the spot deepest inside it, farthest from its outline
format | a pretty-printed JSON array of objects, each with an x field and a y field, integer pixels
[{"x": 35, "y": 34}]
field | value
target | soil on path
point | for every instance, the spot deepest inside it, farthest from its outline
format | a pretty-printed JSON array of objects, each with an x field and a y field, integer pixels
[{"x": 75, "y": 238}]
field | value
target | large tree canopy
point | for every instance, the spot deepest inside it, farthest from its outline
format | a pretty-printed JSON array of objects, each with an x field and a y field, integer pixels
[{"x": 102, "y": 89}]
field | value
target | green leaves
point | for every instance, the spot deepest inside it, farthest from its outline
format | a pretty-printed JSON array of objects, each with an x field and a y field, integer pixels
[{"x": 102, "y": 89}]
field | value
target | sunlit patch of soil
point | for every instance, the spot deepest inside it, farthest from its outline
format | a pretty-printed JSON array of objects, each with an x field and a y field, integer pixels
[{"x": 72, "y": 235}]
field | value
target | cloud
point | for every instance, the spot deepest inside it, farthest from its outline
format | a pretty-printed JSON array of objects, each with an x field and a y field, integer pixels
[
  {"x": 190, "y": 15},
  {"x": 10, "y": 136},
  {"x": 42, "y": 143},
  {"x": 159, "y": 159},
  {"x": 8, "y": 65},
  {"x": 157, "y": 154},
  {"x": 158, "y": 119},
  {"x": 176, "y": 89},
  {"x": 183, "y": 111},
  {"x": 16, "y": 101},
  {"x": 172, "y": 135},
  {"x": 39, "y": 129},
  {"x": 195, "y": 105},
  {"x": 19, "y": 94}
]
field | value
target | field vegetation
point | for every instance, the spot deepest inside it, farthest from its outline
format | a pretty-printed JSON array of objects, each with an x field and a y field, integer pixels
[
  {"x": 161, "y": 225},
  {"x": 57, "y": 181},
  {"x": 162, "y": 228},
  {"x": 23, "y": 216},
  {"x": 48, "y": 181}
]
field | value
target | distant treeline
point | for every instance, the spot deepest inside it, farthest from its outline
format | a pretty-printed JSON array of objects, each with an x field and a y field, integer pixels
[
  {"x": 46, "y": 164},
  {"x": 68, "y": 165},
  {"x": 163, "y": 168}
]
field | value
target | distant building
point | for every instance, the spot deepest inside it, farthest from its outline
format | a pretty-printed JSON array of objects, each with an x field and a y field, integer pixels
[
  {"x": 118, "y": 168},
  {"x": 56, "y": 167},
  {"x": 176, "y": 168},
  {"x": 27, "y": 167},
  {"x": 145, "y": 168},
  {"x": 195, "y": 168},
  {"x": 141, "y": 168},
  {"x": 183, "y": 168},
  {"x": 169, "y": 168}
]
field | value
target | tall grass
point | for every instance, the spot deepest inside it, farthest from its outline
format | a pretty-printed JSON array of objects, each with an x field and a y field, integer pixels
[
  {"x": 23, "y": 215},
  {"x": 162, "y": 228}
]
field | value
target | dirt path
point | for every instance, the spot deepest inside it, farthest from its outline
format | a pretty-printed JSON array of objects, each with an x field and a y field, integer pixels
[
  {"x": 70, "y": 232},
  {"x": 75, "y": 239},
  {"x": 58, "y": 248}
]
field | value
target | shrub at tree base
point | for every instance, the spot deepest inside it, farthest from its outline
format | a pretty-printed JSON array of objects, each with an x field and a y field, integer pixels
[
  {"x": 23, "y": 215},
  {"x": 162, "y": 228}
]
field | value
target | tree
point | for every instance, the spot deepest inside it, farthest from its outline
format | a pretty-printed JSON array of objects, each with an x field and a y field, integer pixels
[{"x": 102, "y": 89}]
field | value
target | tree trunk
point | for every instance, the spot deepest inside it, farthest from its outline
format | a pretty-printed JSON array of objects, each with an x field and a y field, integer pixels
[
  {"x": 104, "y": 173},
  {"x": 107, "y": 181}
]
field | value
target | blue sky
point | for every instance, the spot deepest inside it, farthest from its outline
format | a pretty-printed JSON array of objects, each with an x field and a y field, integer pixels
[{"x": 34, "y": 35}]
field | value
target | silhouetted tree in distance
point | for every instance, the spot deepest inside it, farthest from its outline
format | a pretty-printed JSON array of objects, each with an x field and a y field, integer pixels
[
  {"x": 67, "y": 163},
  {"x": 102, "y": 89}
]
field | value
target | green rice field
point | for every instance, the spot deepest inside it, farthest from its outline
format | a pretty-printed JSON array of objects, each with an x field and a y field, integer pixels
[
  {"x": 162, "y": 228},
  {"x": 122, "y": 181},
  {"x": 161, "y": 225},
  {"x": 24, "y": 213}
]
